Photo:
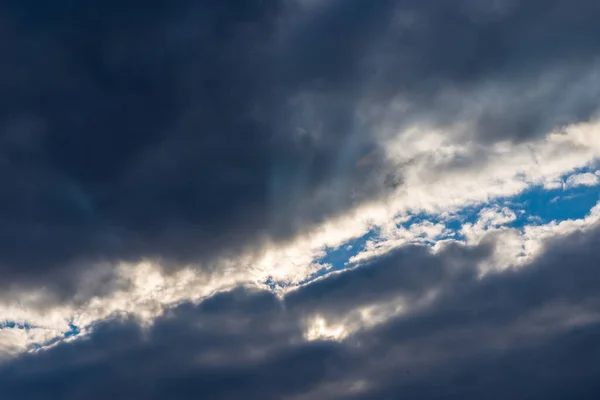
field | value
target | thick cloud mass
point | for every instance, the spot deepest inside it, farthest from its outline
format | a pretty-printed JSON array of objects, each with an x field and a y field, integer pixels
[
  {"x": 208, "y": 133},
  {"x": 526, "y": 334},
  {"x": 184, "y": 131},
  {"x": 149, "y": 130}
]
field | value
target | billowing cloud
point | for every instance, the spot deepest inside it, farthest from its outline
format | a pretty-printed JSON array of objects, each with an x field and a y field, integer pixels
[
  {"x": 299, "y": 199},
  {"x": 184, "y": 132},
  {"x": 163, "y": 132},
  {"x": 536, "y": 325}
]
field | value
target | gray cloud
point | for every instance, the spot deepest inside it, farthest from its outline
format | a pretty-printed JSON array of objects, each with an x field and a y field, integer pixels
[
  {"x": 526, "y": 333},
  {"x": 184, "y": 132},
  {"x": 152, "y": 130}
]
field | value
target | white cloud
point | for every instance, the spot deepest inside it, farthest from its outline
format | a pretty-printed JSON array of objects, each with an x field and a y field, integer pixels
[
  {"x": 585, "y": 179},
  {"x": 320, "y": 329},
  {"x": 489, "y": 218},
  {"x": 12, "y": 342}
]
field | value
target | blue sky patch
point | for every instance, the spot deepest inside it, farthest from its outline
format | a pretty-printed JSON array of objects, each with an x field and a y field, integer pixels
[{"x": 536, "y": 206}]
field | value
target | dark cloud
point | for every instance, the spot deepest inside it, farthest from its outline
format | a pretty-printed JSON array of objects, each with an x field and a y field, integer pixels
[
  {"x": 408, "y": 272},
  {"x": 138, "y": 130},
  {"x": 515, "y": 69},
  {"x": 530, "y": 333},
  {"x": 187, "y": 131}
]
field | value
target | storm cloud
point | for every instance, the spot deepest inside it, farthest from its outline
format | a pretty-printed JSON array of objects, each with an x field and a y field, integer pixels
[
  {"x": 536, "y": 328},
  {"x": 184, "y": 132},
  {"x": 153, "y": 153},
  {"x": 149, "y": 130}
]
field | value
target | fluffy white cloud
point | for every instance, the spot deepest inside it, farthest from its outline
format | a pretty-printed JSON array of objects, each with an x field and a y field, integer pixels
[{"x": 585, "y": 179}]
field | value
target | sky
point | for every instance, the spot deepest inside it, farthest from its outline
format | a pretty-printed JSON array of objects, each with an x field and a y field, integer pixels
[{"x": 299, "y": 199}]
